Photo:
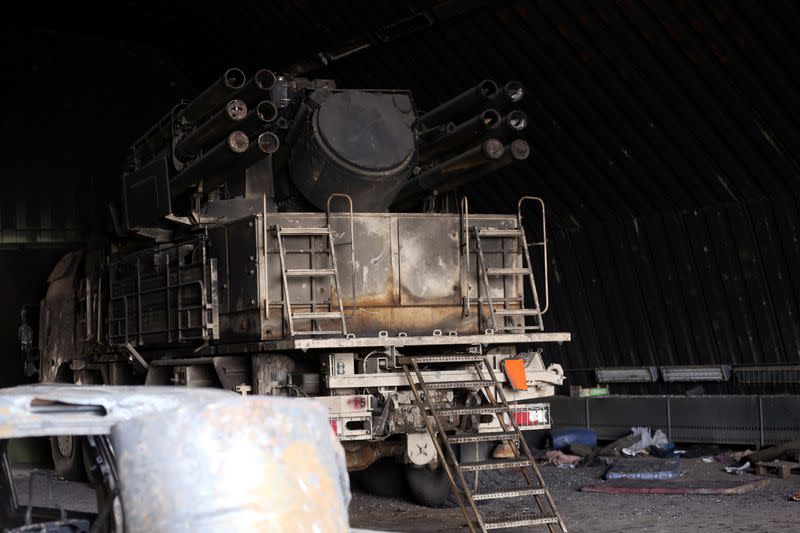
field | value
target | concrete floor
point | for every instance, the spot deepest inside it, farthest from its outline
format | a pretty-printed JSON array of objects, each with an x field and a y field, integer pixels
[{"x": 764, "y": 510}]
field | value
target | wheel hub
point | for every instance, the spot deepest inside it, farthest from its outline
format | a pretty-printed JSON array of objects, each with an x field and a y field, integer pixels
[{"x": 65, "y": 445}]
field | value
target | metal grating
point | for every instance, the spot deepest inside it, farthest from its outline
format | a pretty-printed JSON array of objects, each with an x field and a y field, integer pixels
[
  {"x": 767, "y": 375},
  {"x": 745, "y": 419}
]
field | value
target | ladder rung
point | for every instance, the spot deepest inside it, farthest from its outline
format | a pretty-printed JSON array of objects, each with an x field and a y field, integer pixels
[
  {"x": 518, "y": 328},
  {"x": 483, "y": 437},
  {"x": 507, "y": 271},
  {"x": 509, "y": 493},
  {"x": 310, "y": 272},
  {"x": 316, "y": 316},
  {"x": 517, "y": 312},
  {"x": 495, "y": 464},
  {"x": 520, "y": 521},
  {"x": 441, "y": 359},
  {"x": 476, "y": 384},
  {"x": 324, "y": 332},
  {"x": 303, "y": 231},
  {"x": 480, "y": 410},
  {"x": 491, "y": 232}
]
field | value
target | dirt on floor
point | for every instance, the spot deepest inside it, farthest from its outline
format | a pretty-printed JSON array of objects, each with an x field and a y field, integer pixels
[{"x": 768, "y": 509}]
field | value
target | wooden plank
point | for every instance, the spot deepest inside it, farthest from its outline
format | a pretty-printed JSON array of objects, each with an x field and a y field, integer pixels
[{"x": 782, "y": 468}]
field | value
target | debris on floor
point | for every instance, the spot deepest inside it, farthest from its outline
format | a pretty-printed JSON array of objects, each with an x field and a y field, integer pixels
[
  {"x": 503, "y": 451},
  {"x": 737, "y": 470},
  {"x": 647, "y": 468},
  {"x": 796, "y": 497},
  {"x": 564, "y": 438},
  {"x": 642, "y": 442},
  {"x": 782, "y": 451},
  {"x": 561, "y": 459},
  {"x": 676, "y": 486},
  {"x": 615, "y": 448},
  {"x": 581, "y": 450},
  {"x": 633, "y": 453},
  {"x": 729, "y": 458}
]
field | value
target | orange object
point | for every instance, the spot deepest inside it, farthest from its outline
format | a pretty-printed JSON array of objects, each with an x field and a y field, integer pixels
[{"x": 514, "y": 369}]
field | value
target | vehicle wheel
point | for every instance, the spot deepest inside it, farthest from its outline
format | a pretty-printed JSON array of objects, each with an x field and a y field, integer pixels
[
  {"x": 383, "y": 478},
  {"x": 68, "y": 457},
  {"x": 430, "y": 488},
  {"x": 87, "y": 457}
]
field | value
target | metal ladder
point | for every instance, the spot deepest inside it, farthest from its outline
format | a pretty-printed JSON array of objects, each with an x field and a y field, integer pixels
[
  {"x": 522, "y": 462},
  {"x": 501, "y": 316},
  {"x": 503, "y": 319},
  {"x": 333, "y": 313}
]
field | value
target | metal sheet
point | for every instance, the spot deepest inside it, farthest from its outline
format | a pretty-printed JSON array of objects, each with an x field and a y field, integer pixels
[
  {"x": 300, "y": 481},
  {"x": 495, "y": 339},
  {"x": 28, "y": 410},
  {"x": 145, "y": 195},
  {"x": 429, "y": 261},
  {"x": 407, "y": 271}
]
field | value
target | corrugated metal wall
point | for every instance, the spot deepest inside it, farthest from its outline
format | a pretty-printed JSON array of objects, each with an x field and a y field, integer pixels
[{"x": 665, "y": 140}]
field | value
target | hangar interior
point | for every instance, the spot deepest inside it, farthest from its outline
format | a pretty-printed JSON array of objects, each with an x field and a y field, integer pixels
[{"x": 664, "y": 138}]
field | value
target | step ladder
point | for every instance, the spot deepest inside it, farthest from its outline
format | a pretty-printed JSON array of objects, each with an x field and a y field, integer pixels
[
  {"x": 312, "y": 273},
  {"x": 503, "y": 317},
  {"x": 522, "y": 463}
]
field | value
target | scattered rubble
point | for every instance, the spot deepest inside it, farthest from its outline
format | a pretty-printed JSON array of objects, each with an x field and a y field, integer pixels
[
  {"x": 647, "y": 468},
  {"x": 559, "y": 458},
  {"x": 737, "y": 470},
  {"x": 787, "y": 450},
  {"x": 615, "y": 448}
]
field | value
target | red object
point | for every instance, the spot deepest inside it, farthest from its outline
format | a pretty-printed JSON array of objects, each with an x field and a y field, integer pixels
[
  {"x": 523, "y": 418},
  {"x": 675, "y": 486}
]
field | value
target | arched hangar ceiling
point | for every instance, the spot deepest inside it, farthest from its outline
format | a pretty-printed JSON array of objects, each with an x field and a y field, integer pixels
[{"x": 665, "y": 138}]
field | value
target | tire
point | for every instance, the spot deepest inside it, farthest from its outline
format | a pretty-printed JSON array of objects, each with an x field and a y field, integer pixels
[
  {"x": 384, "y": 478},
  {"x": 67, "y": 455},
  {"x": 430, "y": 488},
  {"x": 87, "y": 456}
]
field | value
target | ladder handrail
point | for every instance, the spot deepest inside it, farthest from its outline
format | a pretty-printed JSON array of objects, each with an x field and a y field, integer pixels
[
  {"x": 487, "y": 288},
  {"x": 543, "y": 244},
  {"x": 464, "y": 216},
  {"x": 336, "y": 279},
  {"x": 518, "y": 451},
  {"x": 499, "y": 390},
  {"x": 523, "y": 460},
  {"x": 352, "y": 240},
  {"x": 433, "y": 435},
  {"x": 266, "y": 255},
  {"x": 327, "y": 235},
  {"x": 287, "y": 306}
]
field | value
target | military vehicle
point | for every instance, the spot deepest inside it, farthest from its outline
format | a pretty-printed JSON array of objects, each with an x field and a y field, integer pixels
[{"x": 278, "y": 235}]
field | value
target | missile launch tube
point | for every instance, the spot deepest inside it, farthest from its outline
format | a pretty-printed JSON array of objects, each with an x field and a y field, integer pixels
[
  {"x": 224, "y": 153},
  {"x": 215, "y": 95},
  {"x": 473, "y": 130},
  {"x": 257, "y": 88},
  {"x": 459, "y": 105},
  {"x": 211, "y": 130},
  {"x": 438, "y": 177}
]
